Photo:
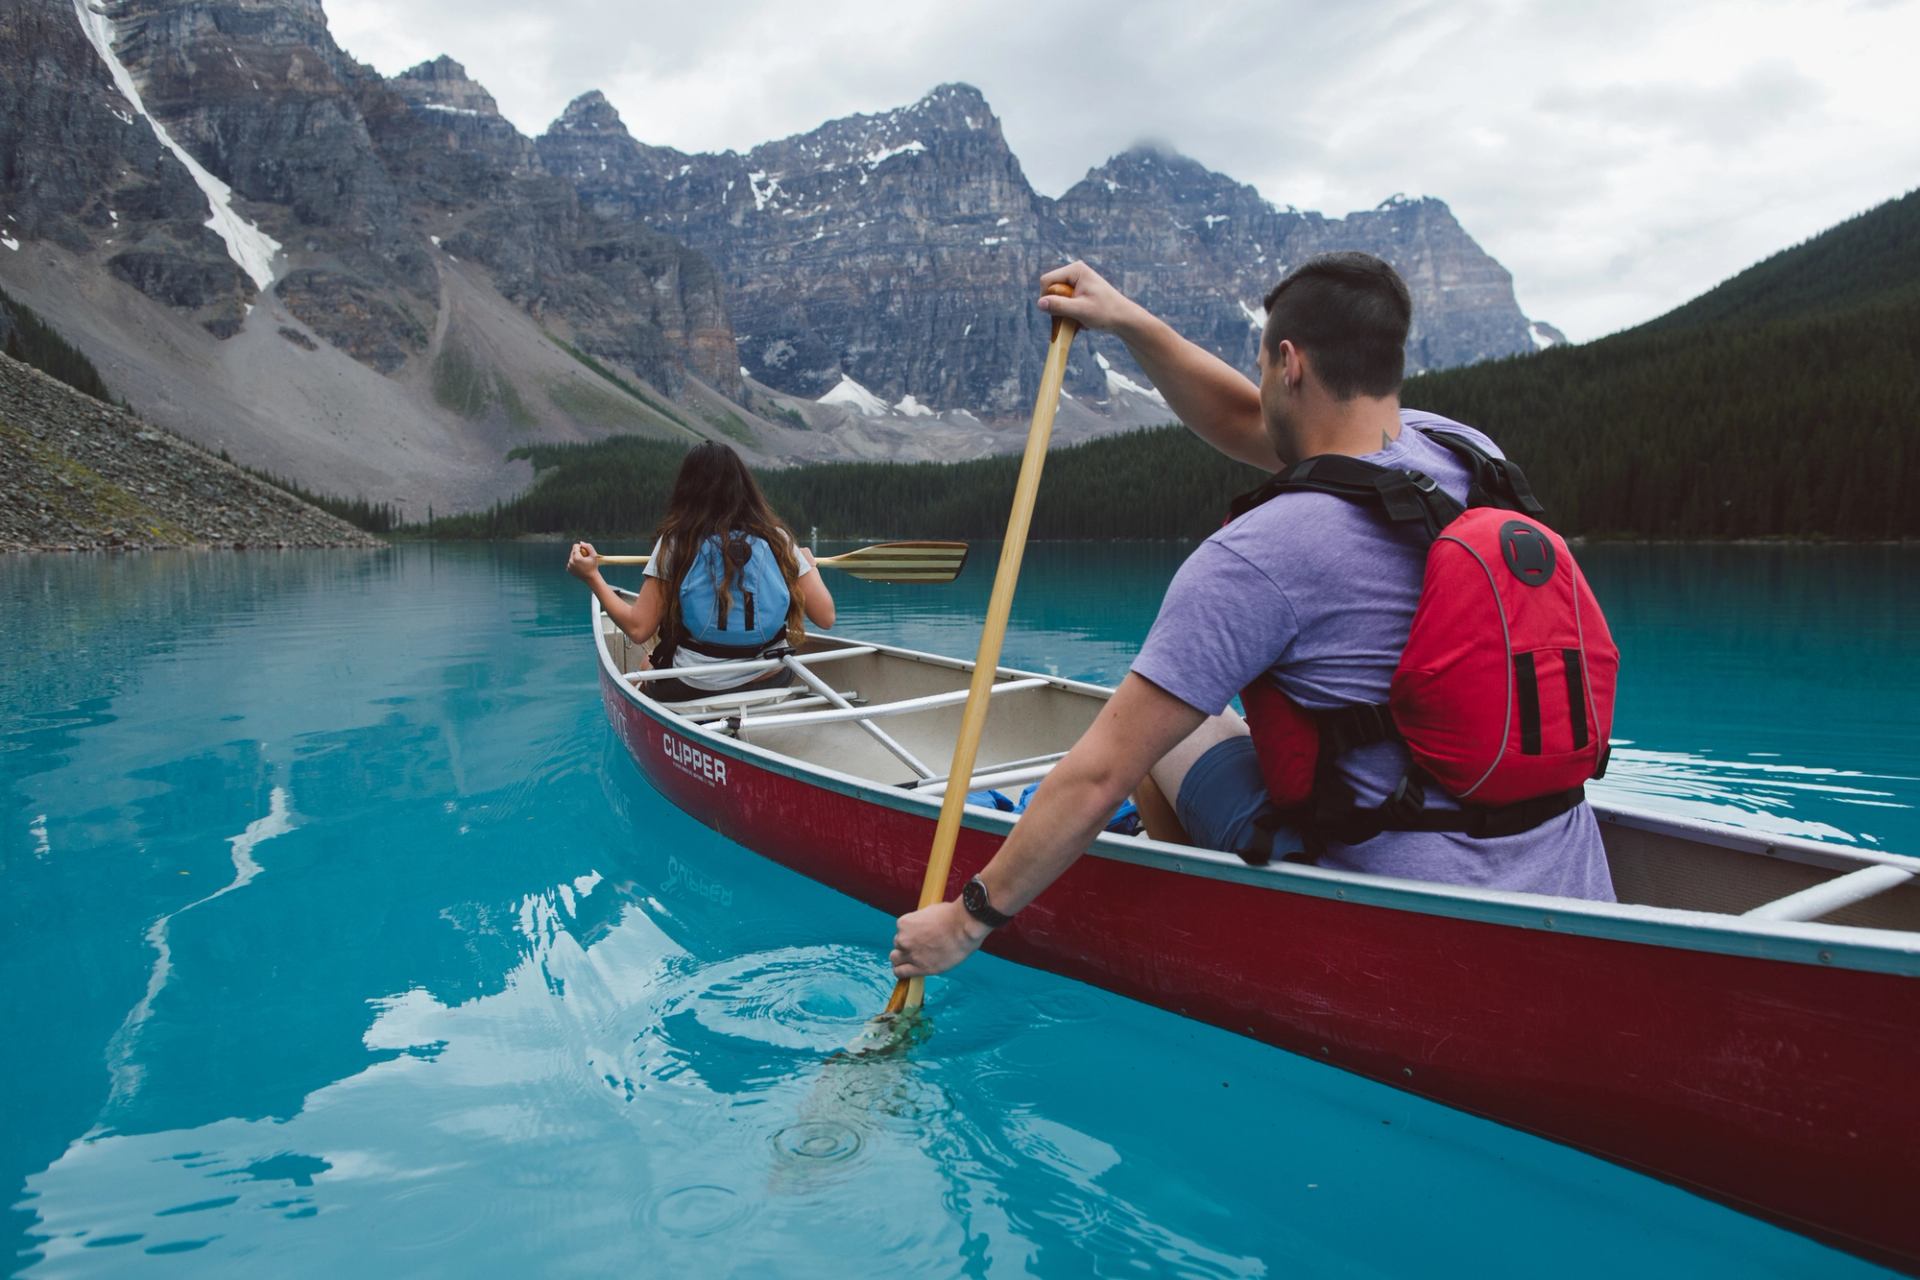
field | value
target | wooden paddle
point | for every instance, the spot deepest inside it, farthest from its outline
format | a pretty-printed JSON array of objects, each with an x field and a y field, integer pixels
[
  {"x": 907, "y": 994},
  {"x": 881, "y": 562}
]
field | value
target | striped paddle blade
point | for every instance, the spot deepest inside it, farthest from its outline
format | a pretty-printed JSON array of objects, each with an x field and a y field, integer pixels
[{"x": 902, "y": 561}]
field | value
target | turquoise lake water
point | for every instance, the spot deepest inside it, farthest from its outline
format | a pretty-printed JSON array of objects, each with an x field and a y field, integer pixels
[{"x": 341, "y": 936}]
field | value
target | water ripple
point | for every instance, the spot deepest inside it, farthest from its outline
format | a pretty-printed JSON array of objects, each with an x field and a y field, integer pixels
[
  {"x": 697, "y": 1211},
  {"x": 806, "y": 999},
  {"x": 822, "y": 1140}
]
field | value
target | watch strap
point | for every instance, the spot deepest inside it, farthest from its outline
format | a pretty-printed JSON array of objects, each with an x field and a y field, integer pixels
[{"x": 973, "y": 897}]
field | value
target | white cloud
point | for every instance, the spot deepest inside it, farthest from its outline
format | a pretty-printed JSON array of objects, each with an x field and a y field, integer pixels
[{"x": 1618, "y": 158}]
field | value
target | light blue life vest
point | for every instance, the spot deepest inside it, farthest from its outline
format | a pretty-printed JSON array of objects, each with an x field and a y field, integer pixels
[{"x": 756, "y": 612}]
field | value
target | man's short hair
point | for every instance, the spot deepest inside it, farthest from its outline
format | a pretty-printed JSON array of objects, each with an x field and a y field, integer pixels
[{"x": 1350, "y": 313}]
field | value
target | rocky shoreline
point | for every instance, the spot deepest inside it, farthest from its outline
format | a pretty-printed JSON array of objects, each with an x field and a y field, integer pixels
[{"x": 79, "y": 475}]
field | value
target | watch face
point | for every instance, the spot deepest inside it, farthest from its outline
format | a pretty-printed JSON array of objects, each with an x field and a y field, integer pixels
[{"x": 973, "y": 895}]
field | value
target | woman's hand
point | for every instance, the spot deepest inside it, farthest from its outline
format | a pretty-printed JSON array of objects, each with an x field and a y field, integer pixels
[{"x": 581, "y": 562}]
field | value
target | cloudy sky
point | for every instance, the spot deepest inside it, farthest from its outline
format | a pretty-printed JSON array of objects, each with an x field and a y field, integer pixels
[{"x": 1618, "y": 158}]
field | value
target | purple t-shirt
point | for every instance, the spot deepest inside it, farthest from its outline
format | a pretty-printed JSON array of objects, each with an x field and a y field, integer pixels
[{"x": 1321, "y": 591}]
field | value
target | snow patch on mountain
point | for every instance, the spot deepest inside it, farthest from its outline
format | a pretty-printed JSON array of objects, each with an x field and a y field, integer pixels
[
  {"x": 762, "y": 196},
  {"x": 877, "y": 158},
  {"x": 250, "y": 247},
  {"x": 1118, "y": 382},
  {"x": 1255, "y": 316},
  {"x": 856, "y": 397}
]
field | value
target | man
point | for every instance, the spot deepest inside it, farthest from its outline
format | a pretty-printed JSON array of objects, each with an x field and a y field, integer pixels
[{"x": 1308, "y": 589}]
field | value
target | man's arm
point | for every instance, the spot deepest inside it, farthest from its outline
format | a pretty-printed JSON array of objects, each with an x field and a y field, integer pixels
[
  {"x": 1139, "y": 724},
  {"x": 1218, "y": 403}
]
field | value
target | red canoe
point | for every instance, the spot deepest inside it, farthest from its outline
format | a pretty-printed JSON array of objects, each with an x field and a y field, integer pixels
[{"x": 1744, "y": 1023}]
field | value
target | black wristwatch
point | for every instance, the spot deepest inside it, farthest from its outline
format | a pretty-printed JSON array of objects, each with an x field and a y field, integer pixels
[{"x": 973, "y": 896}]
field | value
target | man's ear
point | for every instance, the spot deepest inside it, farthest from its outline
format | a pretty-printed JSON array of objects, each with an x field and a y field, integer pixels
[{"x": 1292, "y": 362}]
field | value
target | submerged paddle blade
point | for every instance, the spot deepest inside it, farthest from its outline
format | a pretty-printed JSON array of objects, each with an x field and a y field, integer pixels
[
  {"x": 903, "y": 561},
  {"x": 886, "y": 1035}
]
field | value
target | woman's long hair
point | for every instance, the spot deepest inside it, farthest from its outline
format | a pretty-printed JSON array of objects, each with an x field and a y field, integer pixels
[{"x": 715, "y": 496}]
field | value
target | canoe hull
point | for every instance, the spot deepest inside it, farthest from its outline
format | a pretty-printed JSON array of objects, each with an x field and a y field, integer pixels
[{"x": 1780, "y": 1087}]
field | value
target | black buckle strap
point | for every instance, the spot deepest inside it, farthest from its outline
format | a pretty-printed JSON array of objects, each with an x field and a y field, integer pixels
[
  {"x": 1512, "y": 819},
  {"x": 1497, "y": 482},
  {"x": 1410, "y": 496},
  {"x": 1334, "y": 815},
  {"x": 1407, "y": 804},
  {"x": 1267, "y": 828},
  {"x": 1360, "y": 725},
  {"x": 1405, "y": 810},
  {"x": 1407, "y": 497}
]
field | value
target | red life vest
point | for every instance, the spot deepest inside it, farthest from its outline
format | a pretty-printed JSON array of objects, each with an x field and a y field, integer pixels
[{"x": 1504, "y": 693}]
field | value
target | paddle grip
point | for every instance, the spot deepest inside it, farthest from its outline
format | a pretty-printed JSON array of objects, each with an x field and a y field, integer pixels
[{"x": 1061, "y": 289}]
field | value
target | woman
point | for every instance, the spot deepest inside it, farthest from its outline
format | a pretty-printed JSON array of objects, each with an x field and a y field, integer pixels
[{"x": 724, "y": 582}]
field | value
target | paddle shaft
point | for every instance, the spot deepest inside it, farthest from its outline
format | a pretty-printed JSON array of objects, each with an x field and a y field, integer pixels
[
  {"x": 908, "y": 994},
  {"x": 881, "y": 562},
  {"x": 822, "y": 561}
]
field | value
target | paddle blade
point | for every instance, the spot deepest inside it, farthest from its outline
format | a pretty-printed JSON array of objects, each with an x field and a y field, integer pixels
[
  {"x": 886, "y": 1035},
  {"x": 903, "y": 561}
]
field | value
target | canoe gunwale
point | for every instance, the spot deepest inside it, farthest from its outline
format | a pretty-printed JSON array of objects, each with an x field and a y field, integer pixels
[{"x": 1811, "y": 943}]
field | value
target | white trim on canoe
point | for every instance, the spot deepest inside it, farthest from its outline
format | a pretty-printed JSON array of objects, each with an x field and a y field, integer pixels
[{"x": 1804, "y": 942}]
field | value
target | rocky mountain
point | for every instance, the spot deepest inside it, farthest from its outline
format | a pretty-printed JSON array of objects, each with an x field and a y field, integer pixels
[
  {"x": 368, "y": 285},
  {"x": 1203, "y": 250},
  {"x": 80, "y": 174},
  {"x": 896, "y": 251},
  {"x": 379, "y": 286},
  {"x": 895, "y": 254}
]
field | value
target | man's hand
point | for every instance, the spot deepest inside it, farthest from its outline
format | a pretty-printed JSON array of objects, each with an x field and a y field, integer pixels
[
  {"x": 580, "y": 562},
  {"x": 1095, "y": 304},
  {"x": 1218, "y": 403},
  {"x": 935, "y": 939}
]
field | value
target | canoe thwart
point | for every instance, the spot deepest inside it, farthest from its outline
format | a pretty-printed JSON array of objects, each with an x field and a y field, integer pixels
[
  {"x": 993, "y": 778},
  {"x": 1829, "y": 896},
  {"x": 827, "y": 691},
  {"x": 747, "y": 666},
  {"x": 1049, "y": 758},
  {"x": 906, "y": 706}
]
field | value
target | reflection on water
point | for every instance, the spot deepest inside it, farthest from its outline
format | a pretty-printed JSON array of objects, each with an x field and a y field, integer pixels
[
  {"x": 123, "y": 1052},
  {"x": 344, "y": 935},
  {"x": 1775, "y": 798}
]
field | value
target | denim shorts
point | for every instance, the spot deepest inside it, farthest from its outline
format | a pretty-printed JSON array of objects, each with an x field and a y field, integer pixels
[{"x": 1223, "y": 798}]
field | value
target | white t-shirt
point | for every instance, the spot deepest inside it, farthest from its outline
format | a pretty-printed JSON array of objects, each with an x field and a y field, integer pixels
[{"x": 684, "y": 657}]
